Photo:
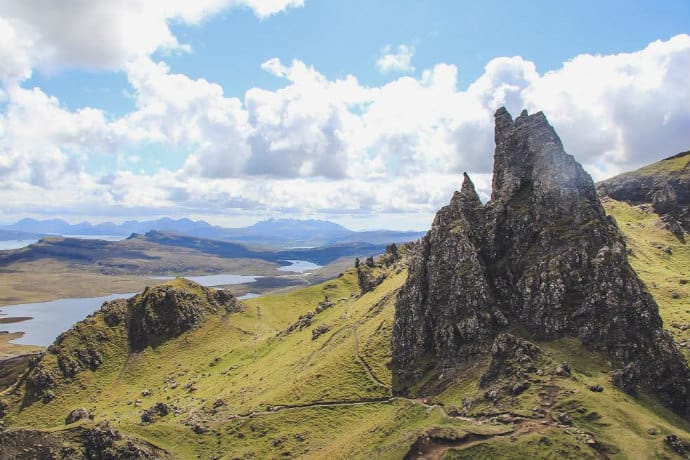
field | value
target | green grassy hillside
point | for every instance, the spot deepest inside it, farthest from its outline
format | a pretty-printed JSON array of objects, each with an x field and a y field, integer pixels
[
  {"x": 662, "y": 260},
  {"x": 639, "y": 186},
  {"x": 304, "y": 374}
]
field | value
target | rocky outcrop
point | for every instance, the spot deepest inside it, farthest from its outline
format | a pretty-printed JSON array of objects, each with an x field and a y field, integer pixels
[
  {"x": 678, "y": 445},
  {"x": 511, "y": 358},
  {"x": 540, "y": 259},
  {"x": 159, "y": 313},
  {"x": 168, "y": 310},
  {"x": 3, "y": 408},
  {"x": 372, "y": 272},
  {"x": 41, "y": 380},
  {"x": 318, "y": 331},
  {"x": 76, "y": 415},
  {"x": 303, "y": 321},
  {"x": 665, "y": 185},
  {"x": 95, "y": 442},
  {"x": 155, "y": 412},
  {"x": 368, "y": 276}
]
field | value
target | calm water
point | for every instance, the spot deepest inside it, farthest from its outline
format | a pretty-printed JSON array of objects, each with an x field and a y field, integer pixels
[
  {"x": 15, "y": 244},
  {"x": 299, "y": 266},
  {"x": 49, "y": 319},
  {"x": 248, "y": 295}
]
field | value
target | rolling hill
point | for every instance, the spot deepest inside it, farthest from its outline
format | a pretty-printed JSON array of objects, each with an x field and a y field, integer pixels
[
  {"x": 305, "y": 374},
  {"x": 181, "y": 371},
  {"x": 271, "y": 233},
  {"x": 664, "y": 185}
]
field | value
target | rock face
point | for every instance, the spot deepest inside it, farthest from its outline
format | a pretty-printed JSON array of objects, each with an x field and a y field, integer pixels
[
  {"x": 85, "y": 442},
  {"x": 168, "y": 310},
  {"x": 541, "y": 260},
  {"x": 159, "y": 313},
  {"x": 510, "y": 357},
  {"x": 665, "y": 185},
  {"x": 77, "y": 414},
  {"x": 370, "y": 273}
]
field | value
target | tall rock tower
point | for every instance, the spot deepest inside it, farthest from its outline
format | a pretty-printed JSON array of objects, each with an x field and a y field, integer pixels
[{"x": 540, "y": 260}]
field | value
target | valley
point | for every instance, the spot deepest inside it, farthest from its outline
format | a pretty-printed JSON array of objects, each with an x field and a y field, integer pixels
[
  {"x": 58, "y": 267},
  {"x": 322, "y": 230},
  {"x": 68, "y": 268},
  {"x": 266, "y": 392},
  {"x": 184, "y": 371}
]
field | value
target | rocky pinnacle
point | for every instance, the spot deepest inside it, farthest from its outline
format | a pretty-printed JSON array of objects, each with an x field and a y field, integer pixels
[{"x": 540, "y": 260}]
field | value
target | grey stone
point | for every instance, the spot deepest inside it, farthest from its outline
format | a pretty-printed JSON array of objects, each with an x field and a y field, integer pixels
[
  {"x": 77, "y": 414},
  {"x": 319, "y": 330},
  {"x": 543, "y": 254},
  {"x": 156, "y": 411},
  {"x": 667, "y": 190}
]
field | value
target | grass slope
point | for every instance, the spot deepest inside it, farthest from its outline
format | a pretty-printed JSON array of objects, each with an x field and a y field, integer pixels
[
  {"x": 638, "y": 186},
  {"x": 248, "y": 385},
  {"x": 662, "y": 261}
]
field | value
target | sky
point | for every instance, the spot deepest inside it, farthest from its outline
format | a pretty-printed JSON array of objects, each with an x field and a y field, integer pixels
[{"x": 361, "y": 112}]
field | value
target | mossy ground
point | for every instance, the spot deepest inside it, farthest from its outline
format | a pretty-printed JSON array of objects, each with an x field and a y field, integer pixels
[
  {"x": 254, "y": 391},
  {"x": 662, "y": 260},
  {"x": 674, "y": 164}
]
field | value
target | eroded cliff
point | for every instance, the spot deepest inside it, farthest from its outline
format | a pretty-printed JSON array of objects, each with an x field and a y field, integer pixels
[{"x": 541, "y": 260}]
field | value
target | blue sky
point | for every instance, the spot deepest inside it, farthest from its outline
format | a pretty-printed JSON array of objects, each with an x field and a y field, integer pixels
[
  {"x": 343, "y": 38},
  {"x": 361, "y": 112}
]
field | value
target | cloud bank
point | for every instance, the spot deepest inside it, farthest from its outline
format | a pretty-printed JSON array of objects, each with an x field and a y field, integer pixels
[
  {"x": 52, "y": 35},
  {"x": 315, "y": 145}
]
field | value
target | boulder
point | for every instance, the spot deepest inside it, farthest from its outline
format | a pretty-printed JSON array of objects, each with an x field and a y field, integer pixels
[
  {"x": 155, "y": 412},
  {"x": 77, "y": 414}
]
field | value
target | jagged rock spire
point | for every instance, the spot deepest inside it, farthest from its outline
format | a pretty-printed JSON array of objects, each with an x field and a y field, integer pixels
[
  {"x": 541, "y": 256},
  {"x": 468, "y": 191},
  {"x": 466, "y": 198},
  {"x": 502, "y": 122},
  {"x": 529, "y": 153}
]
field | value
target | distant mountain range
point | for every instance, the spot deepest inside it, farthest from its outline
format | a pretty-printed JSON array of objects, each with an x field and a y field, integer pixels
[
  {"x": 6, "y": 235},
  {"x": 272, "y": 233},
  {"x": 109, "y": 255}
]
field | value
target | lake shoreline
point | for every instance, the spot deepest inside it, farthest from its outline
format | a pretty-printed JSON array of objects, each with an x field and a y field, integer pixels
[
  {"x": 42, "y": 322},
  {"x": 10, "y": 350},
  {"x": 13, "y": 319},
  {"x": 284, "y": 278}
]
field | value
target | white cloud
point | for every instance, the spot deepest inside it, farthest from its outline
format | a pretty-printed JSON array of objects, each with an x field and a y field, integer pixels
[
  {"x": 398, "y": 60},
  {"x": 16, "y": 50},
  {"x": 317, "y": 127},
  {"x": 615, "y": 112},
  {"x": 306, "y": 128},
  {"x": 265, "y": 8},
  {"x": 503, "y": 82},
  {"x": 320, "y": 146},
  {"x": 188, "y": 114},
  {"x": 52, "y": 35},
  {"x": 42, "y": 142}
]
